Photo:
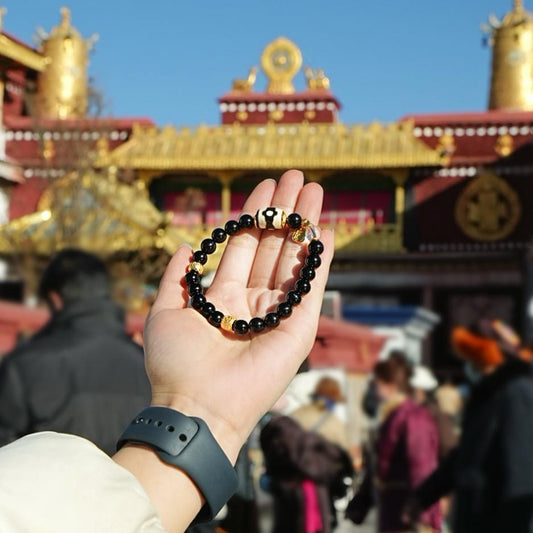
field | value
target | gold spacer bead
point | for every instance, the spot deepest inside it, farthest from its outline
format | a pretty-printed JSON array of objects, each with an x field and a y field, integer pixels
[
  {"x": 198, "y": 267},
  {"x": 283, "y": 219},
  {"x": 227, "y": 322}
]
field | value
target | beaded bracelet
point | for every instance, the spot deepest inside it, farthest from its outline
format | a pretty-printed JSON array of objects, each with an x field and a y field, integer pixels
[{"x": 269, "y": 218}]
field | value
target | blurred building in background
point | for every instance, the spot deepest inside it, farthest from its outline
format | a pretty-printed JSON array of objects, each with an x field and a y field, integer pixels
[{"x": 432, "y": 213}]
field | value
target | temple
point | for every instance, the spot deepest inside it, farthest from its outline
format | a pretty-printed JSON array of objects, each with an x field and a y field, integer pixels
[{"x": 432, "y": 212}]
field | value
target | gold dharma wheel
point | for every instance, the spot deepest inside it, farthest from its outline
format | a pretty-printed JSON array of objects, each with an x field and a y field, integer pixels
[
  {"x": 281, "y": 60},
  {"x": 488, "y": 209}
]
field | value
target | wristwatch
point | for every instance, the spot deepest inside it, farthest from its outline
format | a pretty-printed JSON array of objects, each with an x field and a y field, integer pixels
[{"x": 187, "y": 443}]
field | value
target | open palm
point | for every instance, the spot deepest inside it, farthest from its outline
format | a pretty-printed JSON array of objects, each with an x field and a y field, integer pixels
[{"x": 231, "y": 381}]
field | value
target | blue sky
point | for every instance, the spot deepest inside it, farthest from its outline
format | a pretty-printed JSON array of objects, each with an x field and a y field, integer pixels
[{"x": 170, "y": 59}]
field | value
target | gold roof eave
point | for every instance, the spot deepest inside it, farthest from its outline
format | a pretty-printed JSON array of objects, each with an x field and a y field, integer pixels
[
  {"x": 94, "y": 213},
  {"x": 21, "y": 54},
  {"x": 273, "y": 146}
]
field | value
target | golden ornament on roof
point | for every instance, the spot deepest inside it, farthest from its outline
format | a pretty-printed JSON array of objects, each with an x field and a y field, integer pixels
[
  {"x": 62, "y": 90},
  {"x": 245, "y": 85},
  {"x": 281, "y": 60},
  {"x": 316, "y": 79},
  {"x": 504, "y": 145},
  {"x": 512, "y": 59}
]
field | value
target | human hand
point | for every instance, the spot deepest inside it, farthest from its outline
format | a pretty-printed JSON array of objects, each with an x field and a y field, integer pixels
[{"x": 226, "y": 380}]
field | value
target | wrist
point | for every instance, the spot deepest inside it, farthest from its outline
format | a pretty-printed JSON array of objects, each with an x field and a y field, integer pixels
[{"x": 226, "y": 435}]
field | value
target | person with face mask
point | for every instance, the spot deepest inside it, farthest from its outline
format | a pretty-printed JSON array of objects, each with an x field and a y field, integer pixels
[
  {"x": 491, "y": 470},
  {"x": 406, "y": 451}
]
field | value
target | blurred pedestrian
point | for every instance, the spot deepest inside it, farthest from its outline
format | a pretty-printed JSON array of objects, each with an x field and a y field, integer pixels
[
  {"x": 305, "y": 474},
  {"x": 80, "y": 374},
  {"x": 491, "y": 470},
  {"x": 449, "y": 399},
  {"x": 319, "y": 415},
  {"x": 423, "y": 384},
  {"x": 406, "y": 452}
]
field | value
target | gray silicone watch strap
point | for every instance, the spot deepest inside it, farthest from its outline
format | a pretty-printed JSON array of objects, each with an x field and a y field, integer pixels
[{"x": 186, "y": 442}]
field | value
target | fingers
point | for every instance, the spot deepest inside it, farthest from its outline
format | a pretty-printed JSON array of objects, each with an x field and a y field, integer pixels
[
  {"x": 268, "y": 253},
  {"x": 171, "y": 294},
  {"x": 304, "y": 320},
  {"x": 299, "y": 330},
  {"x": 238, "y": 257},
  {"x": 292, "y": 254}
]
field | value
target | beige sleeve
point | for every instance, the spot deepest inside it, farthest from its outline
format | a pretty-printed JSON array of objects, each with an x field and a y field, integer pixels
[{"x": 56, "y": 483}]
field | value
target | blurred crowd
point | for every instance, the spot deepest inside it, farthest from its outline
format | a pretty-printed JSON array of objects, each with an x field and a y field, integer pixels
[{"x": 438, "y": 455}]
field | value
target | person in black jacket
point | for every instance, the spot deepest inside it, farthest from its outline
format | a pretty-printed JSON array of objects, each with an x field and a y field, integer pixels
[
  {"x": 305, "y": 474},
  {"x": 491, "y": 470},
  {"x": 80, "y": 374}
]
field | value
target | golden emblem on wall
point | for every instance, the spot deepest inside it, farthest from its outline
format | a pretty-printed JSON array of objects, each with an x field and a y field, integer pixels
[
  {"x": 488, "y": 208},
  {"x": 281, "y": 60}
]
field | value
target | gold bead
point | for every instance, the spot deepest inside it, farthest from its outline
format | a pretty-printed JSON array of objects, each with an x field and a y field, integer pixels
[
  {"x": 306, "y": 233},
  {"x": 227, "y": 322},
  {"x": 198, "y": 267}
]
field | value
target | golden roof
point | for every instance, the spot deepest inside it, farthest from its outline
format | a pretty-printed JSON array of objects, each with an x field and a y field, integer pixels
[
  {"x": 19, "y": 52},
  {"x": 274, "y": 147},
  {"x": 95, "y": 213}
]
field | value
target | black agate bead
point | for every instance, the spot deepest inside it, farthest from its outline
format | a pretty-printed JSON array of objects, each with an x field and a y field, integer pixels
[
  {"x": 207, "y": 309},
  {"x": 294, "y": 221},
  {"x": 199, "y": 257},
  {"x": 302, "y": 286},
  {"x": 232, "y": 227},
  {"x": 313, "y": 260},
  {"x": 197, "y": 301},
  {"x": 294, "y": 297},
  {"x": 215, "y": 319},
  {"x": 208, "y": 246},
  {"x": 241, "y": 327},
  {"x": 192, "y": 277},
  {"x": 315, "y": 247},
  {"x": 307, "y": 273},
  {"x": 257, "y": 325},
  {"x": 219, "y": 235},
  {"x": 284, "y": 309},
  {"x": 195, "y": 288},
  {"x": 272, "y": 320},
  {"x": 246, "y": 222}
]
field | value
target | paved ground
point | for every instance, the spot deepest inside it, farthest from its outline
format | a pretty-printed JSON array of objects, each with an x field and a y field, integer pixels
[{"x": 349, "y": 527}]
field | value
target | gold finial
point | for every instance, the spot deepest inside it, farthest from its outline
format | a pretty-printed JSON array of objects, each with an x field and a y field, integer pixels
[
  {"x": 281, "y": 60},
  {"x": 3, "y": 12},
  {"x": 62, "y": 88},
  {"x": 65, "y": 17},
  {"x": 316, "y": 79},
  {"x": 512, "y": 59},
  {"x": 245, "y": 85}
]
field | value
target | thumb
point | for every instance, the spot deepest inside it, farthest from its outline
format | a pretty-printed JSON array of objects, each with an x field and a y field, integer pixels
[{"x": 171, "y": 294}]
